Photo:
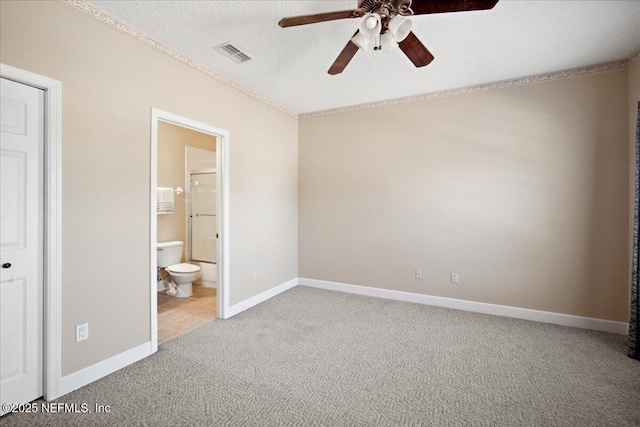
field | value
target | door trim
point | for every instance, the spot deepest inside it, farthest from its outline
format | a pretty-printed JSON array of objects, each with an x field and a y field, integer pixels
[
  {"x": 222, "y": 166},
  {"x": 52, "y": 223}
]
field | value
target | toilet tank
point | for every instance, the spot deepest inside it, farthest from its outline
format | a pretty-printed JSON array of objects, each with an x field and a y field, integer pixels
[{"x": 169, "y": 253}]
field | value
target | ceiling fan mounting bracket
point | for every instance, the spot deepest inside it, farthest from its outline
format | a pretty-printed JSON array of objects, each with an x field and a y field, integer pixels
[{"x": 393, "y": 7}]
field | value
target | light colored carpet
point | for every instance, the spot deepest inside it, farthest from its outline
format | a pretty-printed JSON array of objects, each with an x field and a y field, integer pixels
[{"x": 314, "y": 357}]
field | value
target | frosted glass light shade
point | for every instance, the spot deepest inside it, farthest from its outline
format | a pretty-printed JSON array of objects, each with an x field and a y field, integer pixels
[
  {"x": 362, "y": 42},
  {"x": 387, "y": 42},
  {"x": 371, "y": 22},
  {"x": 400, "y": 27},
  {"x": 366, "y": 29}
]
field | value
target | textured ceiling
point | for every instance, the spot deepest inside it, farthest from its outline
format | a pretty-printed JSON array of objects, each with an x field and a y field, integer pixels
[{"x": 515, "y": 39}]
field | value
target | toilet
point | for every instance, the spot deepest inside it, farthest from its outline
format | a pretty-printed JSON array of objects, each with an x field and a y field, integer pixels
[{"x": 181, "y": 274}]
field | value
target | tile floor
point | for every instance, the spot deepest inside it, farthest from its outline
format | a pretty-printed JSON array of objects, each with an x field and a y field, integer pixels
[{"x": 179, "y": 315}]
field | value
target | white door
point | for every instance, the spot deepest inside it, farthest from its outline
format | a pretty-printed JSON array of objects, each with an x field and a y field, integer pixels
[{"x": 21, "y": 242}]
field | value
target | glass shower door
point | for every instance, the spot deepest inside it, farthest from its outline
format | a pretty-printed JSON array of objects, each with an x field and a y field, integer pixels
[{"x": 203, "y": 217}]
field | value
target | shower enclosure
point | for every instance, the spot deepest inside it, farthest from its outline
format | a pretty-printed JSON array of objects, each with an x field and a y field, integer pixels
[{"x": 202, "y": 217}]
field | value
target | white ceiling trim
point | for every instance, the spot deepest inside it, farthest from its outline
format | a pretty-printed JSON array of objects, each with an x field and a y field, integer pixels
[
  {"x": 112, "y": 21},
  {"x": 129, "y": 29},
  {"x": 539, "y": 78}
]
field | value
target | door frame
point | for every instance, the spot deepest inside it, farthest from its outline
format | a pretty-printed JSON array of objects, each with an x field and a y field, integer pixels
[
  {"x": 52, "y": 292},
  {"x": 222, "y": 166}
]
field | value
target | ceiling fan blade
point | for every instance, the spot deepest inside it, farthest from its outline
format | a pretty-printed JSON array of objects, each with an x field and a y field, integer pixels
[
  {"x": 344, "y": 58},
  {"x": 424, "y": 7},
  {"x": 320, "y": 17},
  {"x": 415, "y": 51}
]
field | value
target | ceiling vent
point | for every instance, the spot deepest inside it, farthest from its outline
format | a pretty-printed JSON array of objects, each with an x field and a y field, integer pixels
[{"x": 230, "y": 51}]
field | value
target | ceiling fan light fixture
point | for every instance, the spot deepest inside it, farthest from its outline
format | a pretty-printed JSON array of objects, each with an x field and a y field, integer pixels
[
  {"x": 362, "y": 42},
  {"x": 371, "y": 22},
  {"x": 387, "y": 42},
  {"x": 370, "y": 25},
  {"x": 400, "y": 27}
]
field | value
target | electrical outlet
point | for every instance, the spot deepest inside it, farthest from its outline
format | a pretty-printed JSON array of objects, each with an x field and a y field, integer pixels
[
  {"x": 454, "y": 277},
  {"x": 255, "y": 275},
  {"x": 82, "y": 332},
  {"x": 418, "y": 273}
]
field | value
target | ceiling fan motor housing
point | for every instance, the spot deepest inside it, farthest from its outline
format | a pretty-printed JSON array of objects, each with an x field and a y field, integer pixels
[{"x": 386, "y": 9}]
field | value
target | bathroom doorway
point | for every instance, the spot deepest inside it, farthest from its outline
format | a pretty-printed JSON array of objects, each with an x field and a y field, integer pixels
[{"x": 189, "y": 225}]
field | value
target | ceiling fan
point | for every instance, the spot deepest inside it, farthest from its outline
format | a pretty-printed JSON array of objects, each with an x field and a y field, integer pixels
[{"x": 384, "y": 27}]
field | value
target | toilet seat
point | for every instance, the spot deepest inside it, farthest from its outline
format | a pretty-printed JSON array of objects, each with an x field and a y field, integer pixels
[{"x": 183, "y": 268}]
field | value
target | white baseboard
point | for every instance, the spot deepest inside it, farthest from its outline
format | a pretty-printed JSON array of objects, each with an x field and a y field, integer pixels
[
  {"x": 261, "y": 297},
  {"x": 207, "y": 283},
  {"x": 477, "y": 307},
  {"x": 101, "y": 369}
]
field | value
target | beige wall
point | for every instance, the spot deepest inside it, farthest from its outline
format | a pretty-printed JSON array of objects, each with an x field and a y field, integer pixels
[
  {"x": 172, "y": 141},
  {"x": 110, "y": 82},
  {"x": 522, "y": 191}
]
